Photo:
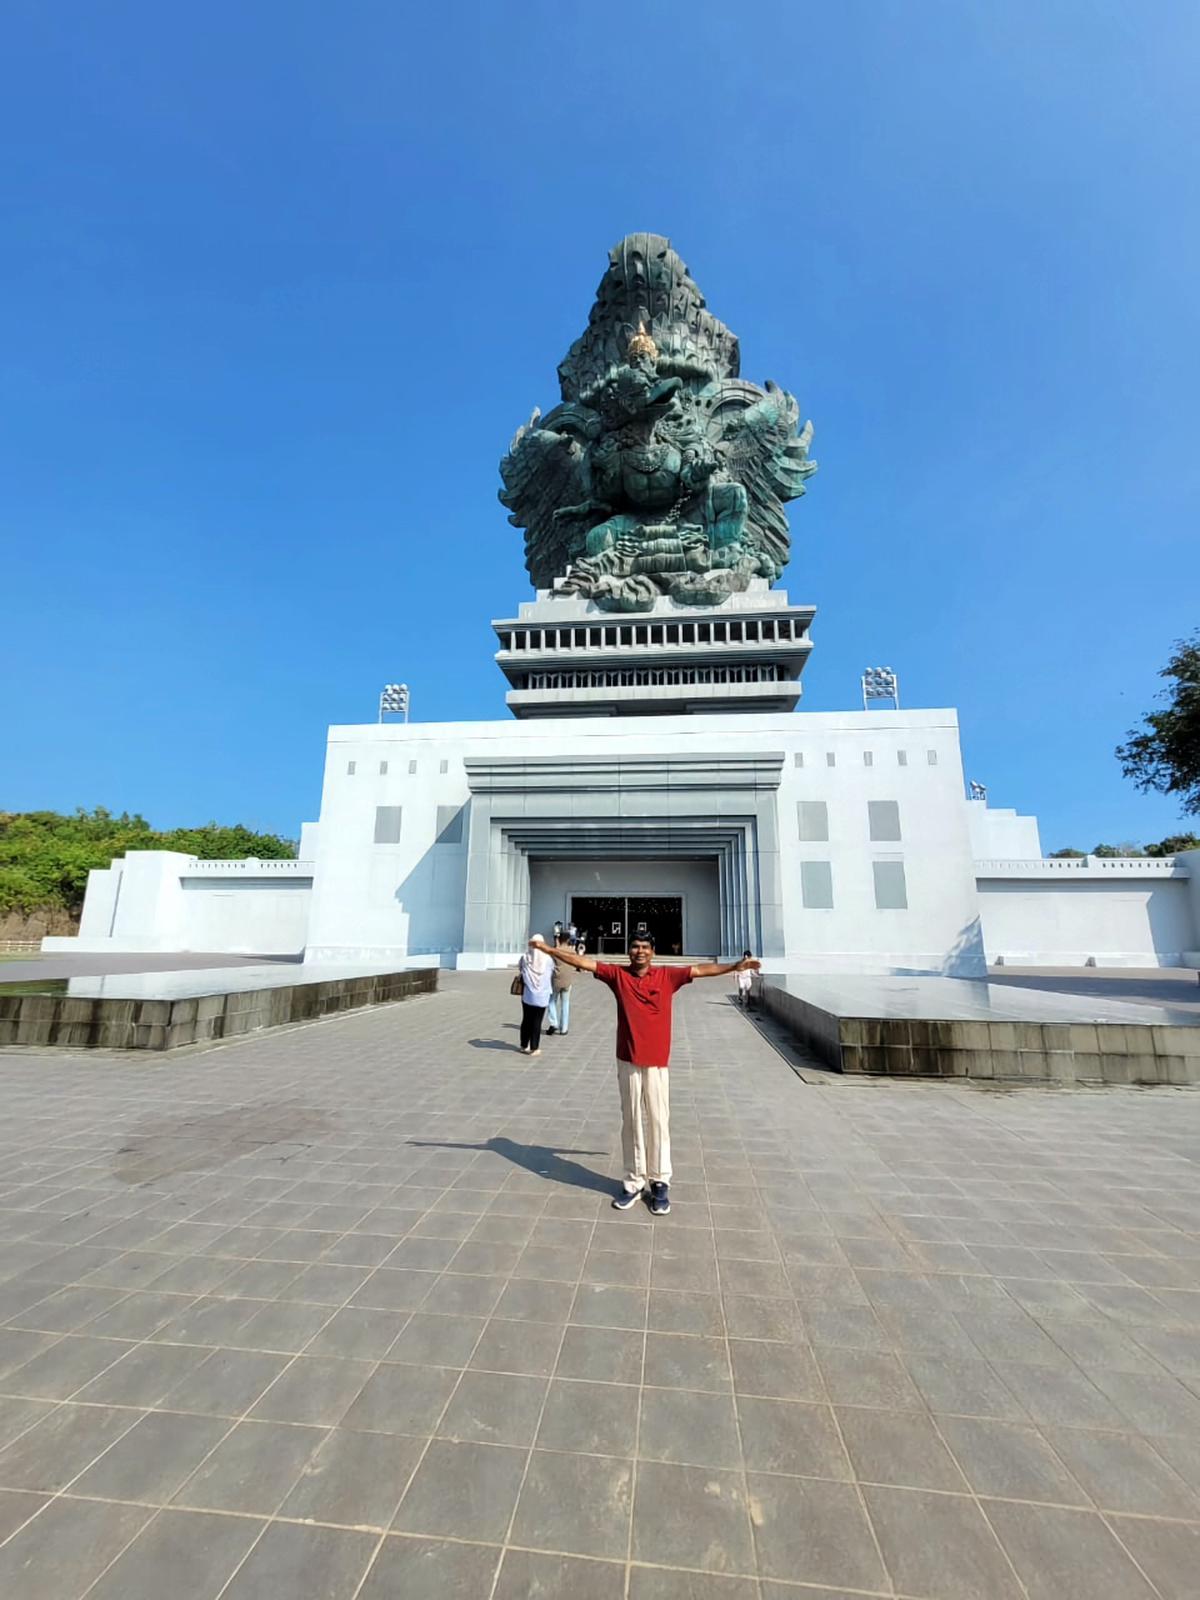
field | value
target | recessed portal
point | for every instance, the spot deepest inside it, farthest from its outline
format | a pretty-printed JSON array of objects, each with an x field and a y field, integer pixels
[
  {"x": 608, "y": 922},
  {"x": 678, "y": 898}
]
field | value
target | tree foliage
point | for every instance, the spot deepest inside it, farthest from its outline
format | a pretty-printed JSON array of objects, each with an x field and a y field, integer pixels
[
  {"x": 45, "y": 857},
  {"x": 1172, "y": 845},
  {"x": 1164, "y": 753}
]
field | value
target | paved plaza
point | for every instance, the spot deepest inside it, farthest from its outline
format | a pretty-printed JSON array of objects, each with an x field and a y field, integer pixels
[{"x": 343, "y": 1313}]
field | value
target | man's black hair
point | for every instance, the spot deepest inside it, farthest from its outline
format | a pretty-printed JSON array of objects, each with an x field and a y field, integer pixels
[
  {"x": 747, "y": 955},
  {"x": 642, "y": 938}
]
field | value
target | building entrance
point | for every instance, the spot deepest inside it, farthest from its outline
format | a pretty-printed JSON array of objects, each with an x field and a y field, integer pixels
[{"x": 608, "y": 922}]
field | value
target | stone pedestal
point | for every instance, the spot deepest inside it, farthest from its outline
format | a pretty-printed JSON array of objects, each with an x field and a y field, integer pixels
[{"x": 564, "y": 657}]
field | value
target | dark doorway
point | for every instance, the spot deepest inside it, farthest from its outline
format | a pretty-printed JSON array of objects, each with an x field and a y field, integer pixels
[
  {"x": 601, "y": 921},
  {"x": 608, "y": 922}
]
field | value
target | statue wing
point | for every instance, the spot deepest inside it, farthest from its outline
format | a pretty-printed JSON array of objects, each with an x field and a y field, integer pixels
[
  {"x": 754, "y": 433},
  {"x": 544, "y": 473}
]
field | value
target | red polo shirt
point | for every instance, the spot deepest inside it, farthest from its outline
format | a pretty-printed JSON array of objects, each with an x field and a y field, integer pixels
[{"x": 644, "y": 1011}]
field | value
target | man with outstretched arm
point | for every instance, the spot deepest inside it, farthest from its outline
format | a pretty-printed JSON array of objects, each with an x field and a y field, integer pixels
[{"x": 645, "y": 994}]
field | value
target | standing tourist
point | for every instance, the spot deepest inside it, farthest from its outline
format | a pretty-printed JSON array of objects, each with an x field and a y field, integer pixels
[
  {"x": 645, "y": 995},
  {"x": 744, "y": 980},
  {"x": 558, "y": 1013},
  {"x": 536, "y": 969}
]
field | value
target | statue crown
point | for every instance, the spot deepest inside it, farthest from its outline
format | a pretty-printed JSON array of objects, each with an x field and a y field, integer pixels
[{"x": 642, "y": 344}]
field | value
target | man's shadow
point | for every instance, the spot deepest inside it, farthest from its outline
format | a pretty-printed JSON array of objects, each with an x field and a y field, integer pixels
[{"x": 537, "y": 1158}]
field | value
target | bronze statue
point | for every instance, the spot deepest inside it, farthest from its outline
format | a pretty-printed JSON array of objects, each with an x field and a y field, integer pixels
[{"x": 662, "y": 472}]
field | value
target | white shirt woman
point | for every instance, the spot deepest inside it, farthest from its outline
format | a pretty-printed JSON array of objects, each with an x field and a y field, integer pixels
[{"x": 537, "y": 971}]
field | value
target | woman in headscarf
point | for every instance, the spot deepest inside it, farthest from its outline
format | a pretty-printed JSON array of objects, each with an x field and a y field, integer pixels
[{"x": 537, "y": 970}]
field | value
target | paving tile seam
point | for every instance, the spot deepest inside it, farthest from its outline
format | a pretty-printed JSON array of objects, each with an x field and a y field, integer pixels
[
  {"x": 60, "y": 1493},
  {"x": 411, "y": 1478},
  {"x": 1094, "y": 1509},
  {"x": 181, "y": 1488},
  {"x": 882, "y": 1220},
  {"x": 637, "y": 1434},
  {"x": 1115, "y": 1532},
  {"x": 858, "y": 1489},
  {"x": 870, "y": 1520},
  {"x": 683, "y": 1227},
  {"x": 1040, "y": 1432},
  {"x": 375, "y": 1367},
  {"x": 233, "y": 1425},
  {"x": 747, "y": 1501},
  {"x": 1100, "y": 1518},
  {"x": 55, "y": 1406},
  {"x": 799, "y": 1586},
  {"x": 541, "y": 1417}
]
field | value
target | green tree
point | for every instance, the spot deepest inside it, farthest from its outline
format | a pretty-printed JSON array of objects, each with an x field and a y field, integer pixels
[
  {"x": 216, "y": 843},
  {"x": 1068, "y": 854},
  {"x": 19, "y": 891},
  {"x": 1164, "y": 753},
  {"x": 1128, "y": 848},
  {"x": 1173, "y": 844}
]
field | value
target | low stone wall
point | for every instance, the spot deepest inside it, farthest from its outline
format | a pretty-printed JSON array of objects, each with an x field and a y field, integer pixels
[
  {"x": 29, "y": 928},
  {"x": 111, "y": 1024},
  {"x": 1009, "y": 1052}
]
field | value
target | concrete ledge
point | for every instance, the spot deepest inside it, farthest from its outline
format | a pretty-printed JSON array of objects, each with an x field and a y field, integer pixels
[
  {"x": 148, "y": 1024},
  {"x": 1037, "y": 1050},
  {"x": 1136, "y": 960},
  {"x": 82, "y": 944}
]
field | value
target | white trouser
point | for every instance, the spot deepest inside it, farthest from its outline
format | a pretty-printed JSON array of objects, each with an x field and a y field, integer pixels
[{"x": 645, "y": 1124}]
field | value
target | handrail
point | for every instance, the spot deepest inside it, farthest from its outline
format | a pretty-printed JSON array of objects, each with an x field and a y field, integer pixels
[
  {"x": 203, "y": 864},
  {"x": 1090, "y": 866}
]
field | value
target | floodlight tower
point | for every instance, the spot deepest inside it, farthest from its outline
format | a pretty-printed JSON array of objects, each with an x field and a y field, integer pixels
[
  {"x": 394, "y": 697},
  {"x": 880, "y": 683}
]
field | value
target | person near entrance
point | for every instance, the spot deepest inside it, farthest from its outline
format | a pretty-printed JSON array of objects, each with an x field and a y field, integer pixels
[
  {"x": 645, "y": 995},
  {"x": 536, "y": 971},
  {"x": 558, "y": 1012},
  {"x": 745, "y": 980}
]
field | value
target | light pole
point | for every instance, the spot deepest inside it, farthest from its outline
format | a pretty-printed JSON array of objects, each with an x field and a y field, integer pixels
[
  {"x": 394, "y": 697},
  {"x": 880, "y": 683}
]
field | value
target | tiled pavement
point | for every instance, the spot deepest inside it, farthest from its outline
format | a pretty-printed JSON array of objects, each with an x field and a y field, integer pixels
[{"x": 343, "y": 1313}]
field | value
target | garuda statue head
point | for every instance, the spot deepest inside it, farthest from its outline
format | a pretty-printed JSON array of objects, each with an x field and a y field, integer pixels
[{"x": 662, "y": 473}]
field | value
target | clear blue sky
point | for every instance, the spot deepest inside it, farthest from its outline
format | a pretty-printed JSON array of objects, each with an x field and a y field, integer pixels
[{"x": 280, "y": 280}]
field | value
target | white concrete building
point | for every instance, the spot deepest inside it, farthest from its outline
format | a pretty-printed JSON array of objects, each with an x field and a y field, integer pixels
[
  {"x": 655, "y": 775},
  {"x": 1102, "y": 912},
  {"x": 826, "y": 842},
  {"x": 160, "y": 900}
]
